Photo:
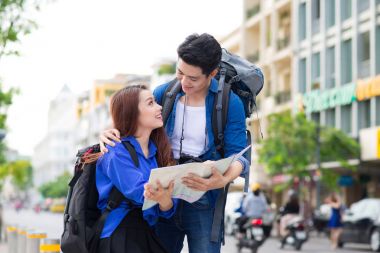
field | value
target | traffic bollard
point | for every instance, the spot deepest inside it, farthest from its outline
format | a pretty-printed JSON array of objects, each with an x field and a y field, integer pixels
[
  {"x": 33, "y": 239},
  {"x": 49, "y": 245},
  {"x": 12, "y": 239},
  {"x": 21, "y": 240}
]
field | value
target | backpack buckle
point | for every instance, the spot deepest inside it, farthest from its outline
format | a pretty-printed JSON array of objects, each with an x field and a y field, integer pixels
[{"x": 110, "y": 205}]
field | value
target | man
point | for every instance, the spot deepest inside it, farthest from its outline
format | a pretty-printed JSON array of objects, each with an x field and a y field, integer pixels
[
  {"x": 189, "y": 127},
  {"x": 255, "y": 204}
]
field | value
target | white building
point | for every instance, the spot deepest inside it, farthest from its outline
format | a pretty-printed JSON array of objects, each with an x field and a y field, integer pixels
[{"x": 54, "y": 153}]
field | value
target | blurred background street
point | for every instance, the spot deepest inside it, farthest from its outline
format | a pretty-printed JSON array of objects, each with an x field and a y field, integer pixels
[
  {"x": 51, "y": 223},
  {"x": 315, "y": 130}
]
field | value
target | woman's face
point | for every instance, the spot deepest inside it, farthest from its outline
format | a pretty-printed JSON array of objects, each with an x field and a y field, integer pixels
[{"x": 149, "y": 111}]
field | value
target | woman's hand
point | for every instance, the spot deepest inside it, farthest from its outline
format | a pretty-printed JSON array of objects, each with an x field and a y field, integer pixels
[
  {"x": 160, "y": 195},
  {"x": 108, "y": 137}
]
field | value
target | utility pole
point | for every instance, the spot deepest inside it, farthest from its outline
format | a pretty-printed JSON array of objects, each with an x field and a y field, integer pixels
[{"x": 318, "y": 160}]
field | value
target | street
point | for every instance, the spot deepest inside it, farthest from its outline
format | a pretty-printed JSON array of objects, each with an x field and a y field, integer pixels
[{"x": 52, "y": 224}]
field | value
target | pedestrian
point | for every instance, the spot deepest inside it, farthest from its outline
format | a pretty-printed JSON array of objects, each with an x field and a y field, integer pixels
[
  {"x": 335, "y": 222},
  {"x": 189, "y": 128},
  {"x": 290, "y": 211},
  {"x": 137, "y": 117}
]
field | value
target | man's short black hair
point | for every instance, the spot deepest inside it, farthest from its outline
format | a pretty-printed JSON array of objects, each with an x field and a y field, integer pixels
[{"x": 203, "y": 51}]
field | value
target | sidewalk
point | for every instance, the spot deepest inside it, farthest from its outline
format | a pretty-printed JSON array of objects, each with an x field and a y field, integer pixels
[{"x": 3, "y": 247}]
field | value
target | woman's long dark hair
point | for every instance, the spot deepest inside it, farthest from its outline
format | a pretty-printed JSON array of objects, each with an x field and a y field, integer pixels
[{"x": 125, "y": 112}]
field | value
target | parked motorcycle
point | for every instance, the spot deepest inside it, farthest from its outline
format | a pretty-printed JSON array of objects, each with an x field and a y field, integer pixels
[
  {"x": 296, "y": 233},
  {"x": 251, "y": 235}
]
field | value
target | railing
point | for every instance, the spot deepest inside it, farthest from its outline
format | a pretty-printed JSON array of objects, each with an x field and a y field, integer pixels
[
  {"x": 255, "y": 57},
  {"x": 283, "y": 43},
  {"x": 282, "y": 97},
  {"x": 253, "y": 11}
]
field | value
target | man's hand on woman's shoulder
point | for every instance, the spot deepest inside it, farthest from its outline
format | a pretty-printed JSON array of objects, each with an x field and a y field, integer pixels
[{"x": 108, "y": 137}]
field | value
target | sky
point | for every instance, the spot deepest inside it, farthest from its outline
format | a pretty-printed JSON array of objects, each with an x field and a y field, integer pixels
[{"x": 79, "y": 41}]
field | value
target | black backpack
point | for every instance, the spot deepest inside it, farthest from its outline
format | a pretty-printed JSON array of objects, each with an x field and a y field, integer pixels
[
  {"x": 245, "y": 80},
  {"x": 83, "y": 221}
]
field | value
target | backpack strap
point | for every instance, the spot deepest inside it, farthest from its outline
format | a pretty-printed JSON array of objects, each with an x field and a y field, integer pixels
[
  {"x": 169, "y": 97},
  {"x": 114, "y": 200},
  {"x": 219, "y": 115},
  {"x": 219, "y": 120},
  {"x": 132, "y": 152}
]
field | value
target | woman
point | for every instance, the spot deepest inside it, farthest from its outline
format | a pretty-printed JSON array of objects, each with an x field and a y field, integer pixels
[
  {"x": 128, "y": 229},
  {"x": 335, "y": 222},
  {"x": 291, "y": 210}
]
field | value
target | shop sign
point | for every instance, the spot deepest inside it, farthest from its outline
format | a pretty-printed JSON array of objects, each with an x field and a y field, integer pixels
[
  {"x": 369, "y": 144},
  {"x": 318, "y": 100},
  {"x": 368, "y": 88}
]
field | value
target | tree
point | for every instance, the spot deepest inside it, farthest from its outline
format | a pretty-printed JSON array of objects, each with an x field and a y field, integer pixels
[
  {"x": 57, "y": 188},
  {"x": 14, "y": 24},
  {"x": 166, "y": 69},
  {"x": 290, "y": 147},
  {"x": 20, "y": 172}
]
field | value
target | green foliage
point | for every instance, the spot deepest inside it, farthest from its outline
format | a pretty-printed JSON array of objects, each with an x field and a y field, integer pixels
[
  {"x": 166, "y": 69},
  {"x": 14, "y": 24},
  {"x": 20, "y": 171},
  {"x": 57, "y": 188},
  {"x": 291, "y": 145}
]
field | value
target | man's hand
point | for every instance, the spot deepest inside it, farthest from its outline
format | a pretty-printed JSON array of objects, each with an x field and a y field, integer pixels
[
  {"x": 160, "y": 195},
  {"x": 215, "y": 181},
  {"x": 109, "y": 137}
]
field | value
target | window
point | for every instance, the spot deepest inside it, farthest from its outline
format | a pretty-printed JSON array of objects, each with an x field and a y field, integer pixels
[
  {"x": 315, "y": 71},
  {"x": 363, "y": 5},
  {"x": 330, "y": 13},
  {"x": 364, "y": 55},
  {"x": 346, "y": 9},
  {"x": 364, "y": 114},
  {"x": 346, "y": 57},
  {"x": 302, "y": 22},
  {"x": 316, "y": 15},
  {"x": 315, "y": 116},
  {"x": 330, "y": 117},
  {"x": 346, "y": 118},
  {"x": 330, "y": 68},
  {"x": 302, "y": 76}
]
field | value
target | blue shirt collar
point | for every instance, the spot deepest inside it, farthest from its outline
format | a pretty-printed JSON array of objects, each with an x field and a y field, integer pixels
[
  {"x": 214, "y": 85},
  {"x": 152, "y": 147}
]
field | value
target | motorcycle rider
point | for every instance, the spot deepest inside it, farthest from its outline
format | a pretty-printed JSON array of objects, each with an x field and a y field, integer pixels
[
  {"x": 254, "y": 206},
  {"x": 290, "y": 210}
]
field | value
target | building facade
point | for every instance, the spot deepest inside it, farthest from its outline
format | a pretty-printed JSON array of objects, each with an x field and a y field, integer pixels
[
  {"x": 336, "y": 68},
  {"x": 323, "y": 57},
  {"x": 53, "y": 154}
]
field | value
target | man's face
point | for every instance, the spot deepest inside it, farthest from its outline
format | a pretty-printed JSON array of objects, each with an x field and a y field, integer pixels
[{"x": 192, "y": 79}]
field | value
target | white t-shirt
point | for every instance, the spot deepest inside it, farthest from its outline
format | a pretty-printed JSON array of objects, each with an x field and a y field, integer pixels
[{"x": 195, "y": 141}]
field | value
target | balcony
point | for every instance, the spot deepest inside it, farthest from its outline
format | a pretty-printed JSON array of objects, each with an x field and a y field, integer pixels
[
  {"x": 254, "y": 57},
  {"x": 253, "y": 11},
  {"x": 283, "y": 43},
  {"x": 282, "y": 97}
]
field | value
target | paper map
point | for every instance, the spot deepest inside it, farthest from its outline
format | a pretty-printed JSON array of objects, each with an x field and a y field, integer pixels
[{"x": 176, "y": 173}]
